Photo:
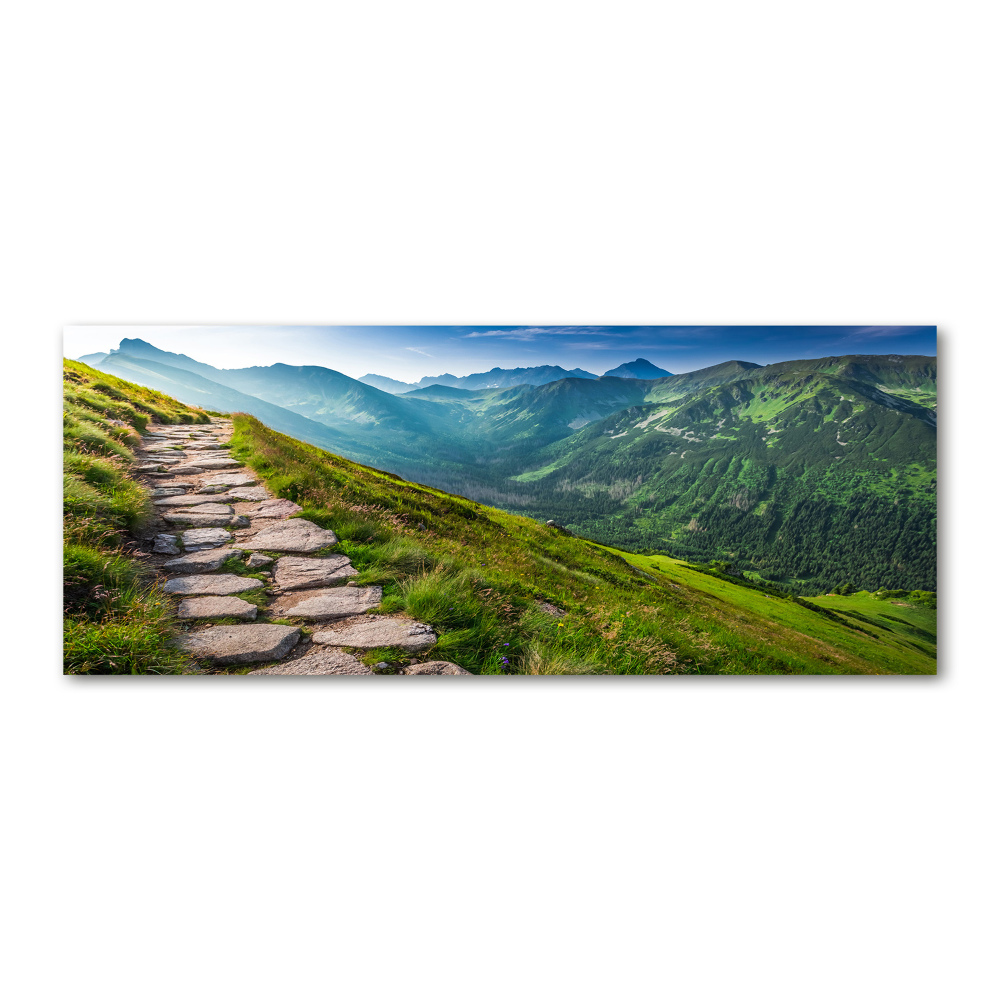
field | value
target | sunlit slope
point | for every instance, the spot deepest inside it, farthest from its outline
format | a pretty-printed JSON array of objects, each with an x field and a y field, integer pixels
[
  {"x": 481, "y": 576},
  {"x": 809, "y": 478}
]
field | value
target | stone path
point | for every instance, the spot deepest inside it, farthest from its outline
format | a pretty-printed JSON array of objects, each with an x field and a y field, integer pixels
[{"x": 211, "y": 511}]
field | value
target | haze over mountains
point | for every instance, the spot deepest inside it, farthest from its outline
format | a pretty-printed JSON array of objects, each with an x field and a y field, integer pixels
[
  {"x": 499, "y": 378},
  {"x": 813, "y": 470}
]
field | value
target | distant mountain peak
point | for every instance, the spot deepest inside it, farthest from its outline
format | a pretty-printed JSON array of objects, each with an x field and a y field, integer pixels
[{"x": 640, "y": 368}]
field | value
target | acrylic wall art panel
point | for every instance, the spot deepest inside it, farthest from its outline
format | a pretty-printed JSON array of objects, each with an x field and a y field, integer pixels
[{"x": 500, "y": 501}]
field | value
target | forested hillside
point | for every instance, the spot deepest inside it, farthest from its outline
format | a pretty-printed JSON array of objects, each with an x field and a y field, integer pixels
[{"x": 813, "y": 480}]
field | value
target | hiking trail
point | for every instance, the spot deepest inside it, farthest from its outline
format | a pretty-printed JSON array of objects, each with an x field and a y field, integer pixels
[{"x": 212, "y": 510}]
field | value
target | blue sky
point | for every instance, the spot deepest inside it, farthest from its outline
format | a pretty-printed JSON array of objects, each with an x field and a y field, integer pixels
[{"x": 410, "y": 352}]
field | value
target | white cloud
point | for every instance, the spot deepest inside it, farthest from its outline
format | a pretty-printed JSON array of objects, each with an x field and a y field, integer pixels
[
  {"x": 416, "y": 350},
  {"x": 528, "y": 333}
]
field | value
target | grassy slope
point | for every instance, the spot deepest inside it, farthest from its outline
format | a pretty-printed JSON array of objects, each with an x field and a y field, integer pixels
[
  {"x": 476, "y": 574},
  {"x": 115, "y": 619}
]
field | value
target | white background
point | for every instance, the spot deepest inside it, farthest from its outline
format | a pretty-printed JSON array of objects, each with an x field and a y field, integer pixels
[{"x": 508, "y": 163}]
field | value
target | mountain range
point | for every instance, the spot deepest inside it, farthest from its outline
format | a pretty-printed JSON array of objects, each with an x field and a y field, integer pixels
[
  {"x": 500, "y": 378},
  {"x": 815, "y": 471}
]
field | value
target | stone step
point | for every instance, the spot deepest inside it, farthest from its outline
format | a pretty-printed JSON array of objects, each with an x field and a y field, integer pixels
[
  {"x": 166, "y": 545},
  {"x": 300, "y": 573},
  {"x": 217, "y": 607},
  {"x": 195, "y": 520},
  {"x": 377, "y": 630},
  {"x": 295, "y": 535},
  {"x": 231, "y": 479},
  {"x": 207, "y": 583},
  {"x": 196, "y": 539},
  {"x": 187, "y": 500},
  {"x": 435, "y": 667},
  {"x": 203, "y": 561},
  {"x": 218, "y": 463},
  {"x": 341, "y": 602},
  {"x": 276, "y": 507},
  {"x": 318, "y": 663},
  {"x": 248, "y": 493},
  {"x": 227, "y": 644}
]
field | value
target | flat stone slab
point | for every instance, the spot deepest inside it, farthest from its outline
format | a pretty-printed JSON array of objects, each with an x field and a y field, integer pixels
[
  {"x": 206, "y": 583},
  {"x": 257, "y": 560},
  {"x": 217, "y": 607},
  {"x": 341, "y": 602},
  {"x": 435, "y": 667},
  {"x": 183, "y": 517},
  {"x": 241, "y": 643},
  {"x": 203, "y": 561},
  {"x": 205, "y": 538},
  {"x": 231, "y": 479},
  {"x": 218, "y": 463},
  {"x": 168, "y": 491},
  {"x": 295, "y": 535},
  {"x": 188, "y": 500},
  {"x": 298, "y": 573},
  {"x": 203, "y": 446},
  {"x": 248, "y": 493},
  {"x": 277, "y": 507},
  {"x": 209, "y": 507},
  {"x": 317, "y": 663},
  {"x": 166, "y": 545},
  {"x": 188, "y": 470},
  {"x": 379, "y": 631}
]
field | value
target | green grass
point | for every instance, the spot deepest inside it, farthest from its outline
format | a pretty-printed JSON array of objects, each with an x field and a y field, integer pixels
[
  {"x": 476, "y": 575},
  {"x": 116, "y": 619},
  {"x": 848, "y": 650}
]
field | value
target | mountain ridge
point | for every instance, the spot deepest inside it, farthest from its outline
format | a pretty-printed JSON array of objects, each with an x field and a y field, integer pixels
[{"x": 640, "y": 368}]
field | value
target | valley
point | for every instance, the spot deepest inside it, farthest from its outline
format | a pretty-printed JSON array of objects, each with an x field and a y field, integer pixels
[{"x": 812, "y": 473}]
